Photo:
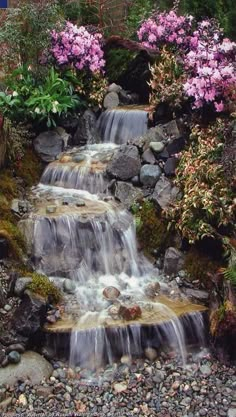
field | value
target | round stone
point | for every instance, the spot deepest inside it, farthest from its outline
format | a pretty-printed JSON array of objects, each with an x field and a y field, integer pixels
[
  {"x": 14, "y": 357},
  {"x": 111, "y": 293},
  {"x": 157, "y": 146}
]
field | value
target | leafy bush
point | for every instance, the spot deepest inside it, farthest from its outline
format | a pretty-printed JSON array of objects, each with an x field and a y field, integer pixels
[
  {"x": 42, "y": 102},
  {"x": 42, "y": 286},
  {"x": 25, "y": 32},
  {"x": 207, "y": 204}
]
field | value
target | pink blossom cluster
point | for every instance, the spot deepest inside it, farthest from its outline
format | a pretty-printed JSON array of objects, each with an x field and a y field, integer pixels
[
  {"x": 165, "y": 28},
  {"x": 208, "y": 59},
  {"x": 77, "y": 47}
]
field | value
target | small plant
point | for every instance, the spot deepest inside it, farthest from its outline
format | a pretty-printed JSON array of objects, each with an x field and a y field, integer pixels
[
  {"x": 42, "y": 286},
  {"x": 14, "y": 238},
  {"x": 230, "y": 274}
]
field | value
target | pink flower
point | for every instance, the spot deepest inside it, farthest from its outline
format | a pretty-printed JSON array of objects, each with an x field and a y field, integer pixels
[{"x": 219, "y": 106}]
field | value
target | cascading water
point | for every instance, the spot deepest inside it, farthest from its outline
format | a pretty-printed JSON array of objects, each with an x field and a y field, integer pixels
[
  {"x": 122, "y": 124},
  {"x": 91, "y": 240}
]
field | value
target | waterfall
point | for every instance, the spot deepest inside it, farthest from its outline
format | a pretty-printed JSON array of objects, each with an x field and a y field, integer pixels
[{"x": 120, "y": 125}]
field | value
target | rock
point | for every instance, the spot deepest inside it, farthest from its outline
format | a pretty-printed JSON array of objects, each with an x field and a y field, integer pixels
[
  {"x": 111, "y": 293},
  {"x": 175, "y": 146},
  {"x": 7, "y": 308},
  {"x": 164, "y": 193},
  {"x": 135, "y": 181},
  {"x": 86, "y": 131},
  {"x": 111, "y": 100},
  {"x": 51, "y": 209},
  {"x": 149, "y": 175},
  {"x": 170, "y": 166},
  {"x": 114, "y": 88},
  {"x": 130, "y": 313},
  {"x": 199, "y": 296},
  {"x": 26, "y": 226},
  {"x": 175, "y": 386},
  {"x": 21, "y": 285},
  {"x": 4, "y": 248},
  {"x": 29, "y": 316},
  {"x": 69, "y": 286},
  {"x": 127, "y": 194},
  {"x": 18, "y": 347},
  {"x": 157, "y": 146},
  {"x": 14, "y": 357},
  {"x": 32, "y": 367},
  {"x": 148, "y": 156},
  {"x": 48, "y": 145},
  {"x": 2, "y": 353},
  {"x": 63, "y": 134},
  {"x": 125, "y": 163},
  {"x": 152, "y": 289},
  {"x": 205, "y": 370},
  {"x": 231, "y": 412},
  {"x": 173, "y": 261},
  {"x": 171, "y": 130},
  {"x": 78, "y": 158},
  {"x": 22, "y": 400},
  {"x": 120, "y": 387},
  {"x": 43, "y": 391},
  {"x": 150, "y": 353},
  {"x": 5, "y": 403}
]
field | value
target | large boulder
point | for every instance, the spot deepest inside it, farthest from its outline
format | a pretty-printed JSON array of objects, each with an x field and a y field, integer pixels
[
  {"x": 111, "y": 100},
  {"x": 48, "y": 145},
  {"x": 32, "y": 367},
  {"x": 149, "y": 174},
  {"x": 127, "y": 193},
  {"x": 86, "y": 131},
  {"x": 173, "y": 261},
  {"x": 164, "y": 193},
  {"x": 125, "y": 163}
]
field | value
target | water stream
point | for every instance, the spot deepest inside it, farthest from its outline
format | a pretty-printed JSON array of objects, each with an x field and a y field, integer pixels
[{"x": 82, "y": 233}]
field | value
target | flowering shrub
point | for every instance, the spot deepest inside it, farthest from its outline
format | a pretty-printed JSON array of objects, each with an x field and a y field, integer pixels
[
  {"x": 166, "y": 81},
  {"x": 207, "y": 58},
  {"x": 75, "y": 46},
  {"x": 207, "y": 202}
]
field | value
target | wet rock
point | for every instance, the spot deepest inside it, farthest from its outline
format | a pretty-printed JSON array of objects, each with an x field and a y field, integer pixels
[
  {"x": 26, "y": 227},
  {"x": 22, "y": 400},
  {"x": 51, "y": 209},
  {"x": 48, "y": 145},
  {"x": 148, "y": 156},
  {"x": 111, "y": 293},
  {"x": 78, "y": 158},
  {"x": 18, "y": 347},
  {"x": 150, "y": 353},
  {"x": 164, "y": 193},
  {"x": 14, "y": 357},
  {"x": 149, "y": 175},
  {"x": 199, "y": 296},
  {"x": 20, "y": 207},
  {"x": 127, "y": 194},
  {"x": 125, "y": 164},
  {"x": 69, "y": 286},
  {"x": 86, "y": 131},
  {"x": 157, "y": 146},
  {"x": 130, "y": 313},
  {"x": 205, "y": 370},
  {"x": 152, "y": 289},
  {"x": 21, "y": 285},
  {"x": 170, "y": 166},
  {"x": 111, "y": 100},
  {"x": 32, "y": 367},
  {"x": 135, "y": 181},
  {"x": 173, "y": 261}
]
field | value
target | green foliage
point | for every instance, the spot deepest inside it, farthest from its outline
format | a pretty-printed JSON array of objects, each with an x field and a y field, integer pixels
[
  {"x": 138, "y": 11},
  {"x": 42, "y": 286},
  {"x": 71, "y": 10},
  {"x": 230, "y": 274},
  {"x": 117, "y": 61},
  {"x": 151, "y": 228},
  {"x": 25, "y": 33},
  {"x": 42, "y": 102},
  {"x": 207, "y": 204},
  {"x": 14, "y": 237},
  {"x": 17, "y": 138}
]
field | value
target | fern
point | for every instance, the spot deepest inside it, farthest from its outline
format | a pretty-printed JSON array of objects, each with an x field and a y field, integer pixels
[{"x": 230, "y": 274}]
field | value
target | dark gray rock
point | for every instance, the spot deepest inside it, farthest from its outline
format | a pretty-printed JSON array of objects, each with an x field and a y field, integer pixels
[
  {"x": 4, "y": 248},
  {"x": 199, "y": 296},
  {"x": 135, "y": 181},
  {"x": 171, "y": 130},
  {"x": 170, "y": 166},
  {"x": 125, "y": 163},
  {"x": 126, "y": 193},
  {"x": 149, "y": 175},
  {"x": 164, "y": 193},
  {"x": 48, "y": 145},
  {"x": 173, "y": 261},
  {"x": 86, "y": 131},
  {"x": 148, "y": 157},
  {"x": 18, "y": 347},
  {"x": 175, "y": 146},
  {"x": 14, "y": 357},
  {"x": 21, "y": 285},
  {"x": 111, "y": 100},
  {"x": 164, "y": 155}
]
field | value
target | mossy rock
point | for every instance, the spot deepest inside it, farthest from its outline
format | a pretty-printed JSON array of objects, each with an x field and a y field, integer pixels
[
  {"x": 223, "y": 320},
  {"x": 29, "y": 168},
  {"x": 14, "y": 237},
  {"x": 41, "y": 285},
  {"x": 198, "y": 265},
  {"x": 8, "y": 186},
  {"x": 152, "y": 229}
]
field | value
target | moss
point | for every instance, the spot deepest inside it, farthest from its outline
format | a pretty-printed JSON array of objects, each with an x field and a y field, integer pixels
[
  {"x": 8, "y": 186},
  {"x": 152, "y": 230},
  {"x": 29, "y": 168},
  {"x": 223, "y": 320},
  {"x": 14, "y": 237},
  {"x": 199, "y": 266},
  {"x": 42, "y": 286},
  {"x": 5, "y": 209}
]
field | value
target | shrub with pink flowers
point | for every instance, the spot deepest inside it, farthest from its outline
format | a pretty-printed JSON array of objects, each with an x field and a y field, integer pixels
[
  {"x": 207, "y": 58},
  {"x": 78, "y": 48}
]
